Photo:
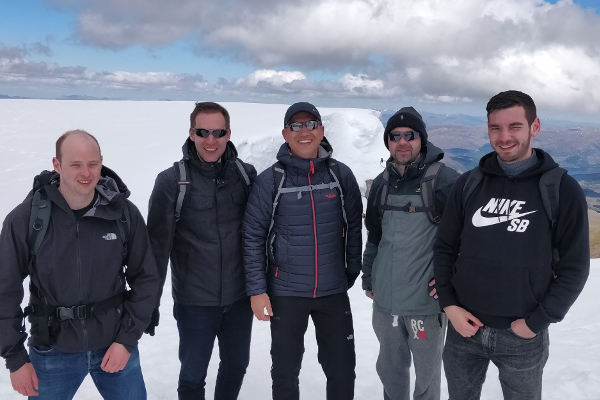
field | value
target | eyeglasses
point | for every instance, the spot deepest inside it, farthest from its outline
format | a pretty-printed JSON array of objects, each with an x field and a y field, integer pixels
[
  {"x": 217, "y": 133},
  {"x": 297, "y": 126},
  {"x": 408, "y": 136}
]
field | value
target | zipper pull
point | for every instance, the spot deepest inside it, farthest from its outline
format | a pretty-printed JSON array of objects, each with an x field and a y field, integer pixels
[
  {"x": 276, "y": 272},
  {"x": 343, "y": 232},
  {"x": 312, "y": 167}
]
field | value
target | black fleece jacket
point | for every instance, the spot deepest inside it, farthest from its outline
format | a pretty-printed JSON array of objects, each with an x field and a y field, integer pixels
[{"x": 494, "y": 257}]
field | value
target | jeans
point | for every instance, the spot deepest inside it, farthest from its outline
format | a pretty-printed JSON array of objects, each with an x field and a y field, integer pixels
[
  {"x": 334, "y": 331},
  {"x": 520, "y": 363},
  {"x": 198, "y": 327},
  {"x": 403, "y": 338},
  {"x": 60, "y": 375}
]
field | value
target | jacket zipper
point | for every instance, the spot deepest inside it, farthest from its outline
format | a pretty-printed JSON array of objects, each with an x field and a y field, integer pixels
[
  {"x": 85, "y": 336},
  {"x": 312, "y": 170}
]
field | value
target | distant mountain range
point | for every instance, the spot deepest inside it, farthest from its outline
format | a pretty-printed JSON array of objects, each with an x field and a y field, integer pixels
[{"x": 575, "y": 146}]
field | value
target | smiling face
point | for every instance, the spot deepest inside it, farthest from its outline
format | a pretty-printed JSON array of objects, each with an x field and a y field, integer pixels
[
  {"x": 79, "y": 168},
  {"x": 305, "y": 143},
  {"x": 210, "y": 149},
  {"x": 404, "y": 152},
  {"x": 510, "y": 134}
]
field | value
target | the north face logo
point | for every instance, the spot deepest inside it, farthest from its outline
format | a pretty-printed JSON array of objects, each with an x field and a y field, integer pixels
[
  {"x": 109, "y": 236},
  {"x": 330, "y": 196}
]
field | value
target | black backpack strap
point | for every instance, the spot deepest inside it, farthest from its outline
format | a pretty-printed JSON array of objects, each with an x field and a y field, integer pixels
[
  {"x": 383, "y": 193},
  {"x": 124, "y": 226},
  {"x": 474, "y": 179},
  {"x": 550, "y": 189},
  {"x": 39, "y": 219},
  {"x": 428, "y": 183},
  {"x": 183, "y": 180}
]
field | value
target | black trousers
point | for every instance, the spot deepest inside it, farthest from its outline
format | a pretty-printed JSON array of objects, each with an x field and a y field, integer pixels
[{"x": 332, "y": 318}]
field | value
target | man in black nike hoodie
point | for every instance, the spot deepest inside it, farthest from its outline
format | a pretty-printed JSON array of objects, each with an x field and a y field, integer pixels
[{"x": 493, "y": 259}]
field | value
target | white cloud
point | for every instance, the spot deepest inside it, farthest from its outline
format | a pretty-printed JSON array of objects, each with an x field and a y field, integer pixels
[{"x": 272, "y": 77}]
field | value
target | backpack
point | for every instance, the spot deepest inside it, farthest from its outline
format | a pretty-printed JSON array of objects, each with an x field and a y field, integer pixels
[
  {"x": 39, "y": 219},
  {"x": 184, "y": 178},
  {"x": 427, "y": 192},
  {"x": 279, "y": 180},
  {"x": 549, "y": 187}
]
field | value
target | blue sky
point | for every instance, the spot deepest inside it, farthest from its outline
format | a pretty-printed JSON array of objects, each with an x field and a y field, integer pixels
[{"x": 441, "y": 57}]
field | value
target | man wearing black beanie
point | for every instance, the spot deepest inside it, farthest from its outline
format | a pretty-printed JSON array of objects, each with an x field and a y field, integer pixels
[{"x": 397, "y": 262}]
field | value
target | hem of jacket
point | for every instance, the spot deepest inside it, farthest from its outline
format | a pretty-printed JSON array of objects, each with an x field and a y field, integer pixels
[
  {"x": 412, "y": 311},
  {"x": 286, "y": 293},
  {"x": 208, "y": 303}
]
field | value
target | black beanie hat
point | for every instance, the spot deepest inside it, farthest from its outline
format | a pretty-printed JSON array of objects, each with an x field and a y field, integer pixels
[{"x": 406, "y": 117}]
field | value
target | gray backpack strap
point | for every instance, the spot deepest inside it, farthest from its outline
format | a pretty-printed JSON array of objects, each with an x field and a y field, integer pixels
[
  {"x": 183, "y": 183},
  {"x": 333, "y": 167},
  {"x": 243, "y": 173},
  {"x": 474, "y": 179},
  {"x": 428, "y": 182}
]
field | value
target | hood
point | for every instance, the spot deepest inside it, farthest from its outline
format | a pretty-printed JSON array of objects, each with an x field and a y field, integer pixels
[
  {"x": 490, "y": 165},
  {"x": 285, "y": 156},
  {"x": 111, "y": 190}
]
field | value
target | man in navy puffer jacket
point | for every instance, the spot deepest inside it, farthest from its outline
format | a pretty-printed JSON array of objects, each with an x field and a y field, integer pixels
[{"x": 305, "y": 262}]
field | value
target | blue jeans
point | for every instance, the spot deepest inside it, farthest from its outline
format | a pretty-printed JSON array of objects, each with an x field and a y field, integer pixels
[
  {"x": 520, "y": 363},
  {"x": 60, "y": 375},
  {"x": 198, "y": 327}
]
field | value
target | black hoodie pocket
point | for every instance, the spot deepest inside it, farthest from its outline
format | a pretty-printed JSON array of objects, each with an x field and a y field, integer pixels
[{"x": 494, "y": 288}]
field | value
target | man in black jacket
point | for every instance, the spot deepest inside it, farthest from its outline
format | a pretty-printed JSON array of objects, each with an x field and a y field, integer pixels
[
  {"x": 81, "y": 319},
  {"x": 204, "y": 243},
  {"x": 496, "y": 277},
  {"x": 301, "y": 257}
]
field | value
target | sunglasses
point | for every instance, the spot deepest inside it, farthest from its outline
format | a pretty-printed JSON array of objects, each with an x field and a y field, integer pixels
[
  {"x": 217, "y": 133},
  {"x": 297, "y": 126},
  {"x": 408, "y": 136}
]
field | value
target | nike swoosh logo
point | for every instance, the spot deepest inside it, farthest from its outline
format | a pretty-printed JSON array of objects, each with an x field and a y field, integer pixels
[{"x": 480, "y": 221}]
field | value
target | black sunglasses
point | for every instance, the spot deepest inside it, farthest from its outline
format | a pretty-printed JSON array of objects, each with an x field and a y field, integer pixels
[
  {"x": 297, "y": 126},
  {"x": 408, "y": 136},
  {"x": 217, "y": 133}
]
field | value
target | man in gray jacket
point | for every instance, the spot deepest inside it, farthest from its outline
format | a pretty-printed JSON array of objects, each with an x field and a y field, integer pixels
[
  {"x": 90, "y": 243},
  {"x": 405, "y": 204}
]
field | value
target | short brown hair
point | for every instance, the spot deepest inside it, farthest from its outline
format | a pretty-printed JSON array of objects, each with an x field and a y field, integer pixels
[
  {"x": 208, "y": 107},
  {"x": 513, "y": 98},
  {"x": 65, "y": 135}
]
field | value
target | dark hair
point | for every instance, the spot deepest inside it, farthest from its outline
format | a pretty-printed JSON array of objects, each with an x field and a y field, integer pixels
[
  {"x": 65, "y": 135},
  {"x": 208, "y": 107},
  {"x": 512, "y": 98}
]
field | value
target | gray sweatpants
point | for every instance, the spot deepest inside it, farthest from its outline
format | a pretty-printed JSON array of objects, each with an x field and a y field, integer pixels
[{"x": 399, "y": 336}]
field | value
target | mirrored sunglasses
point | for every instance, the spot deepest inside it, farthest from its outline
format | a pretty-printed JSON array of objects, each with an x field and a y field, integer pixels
[
  {"x": 408, "y": 136},
  {"x": 297, "y": 126},
  {"x": 217, "y": 133}
]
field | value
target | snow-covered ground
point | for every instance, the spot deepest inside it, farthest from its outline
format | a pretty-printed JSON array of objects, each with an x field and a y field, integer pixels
[{"x": 139, "y": 139}]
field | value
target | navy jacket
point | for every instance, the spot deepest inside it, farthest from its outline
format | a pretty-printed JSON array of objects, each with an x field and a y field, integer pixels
[{"x": 309, "y": 250}]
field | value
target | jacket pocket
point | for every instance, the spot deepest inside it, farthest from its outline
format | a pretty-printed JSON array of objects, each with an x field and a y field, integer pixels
[
  {"x": 201, "y": 202},
  {"x": 494, "y": 288}
]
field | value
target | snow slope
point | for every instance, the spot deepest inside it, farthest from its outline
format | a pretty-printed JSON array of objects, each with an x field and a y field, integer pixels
[{"x": 139, "y": 139}]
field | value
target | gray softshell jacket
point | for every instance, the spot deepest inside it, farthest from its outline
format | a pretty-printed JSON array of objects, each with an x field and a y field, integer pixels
[
  {"x": 398, "y": 258},
  {"x": 79, "y": 262}
]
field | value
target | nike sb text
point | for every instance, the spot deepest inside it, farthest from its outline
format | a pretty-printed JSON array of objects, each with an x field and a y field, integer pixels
[{"x": 502, "y": 210}]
